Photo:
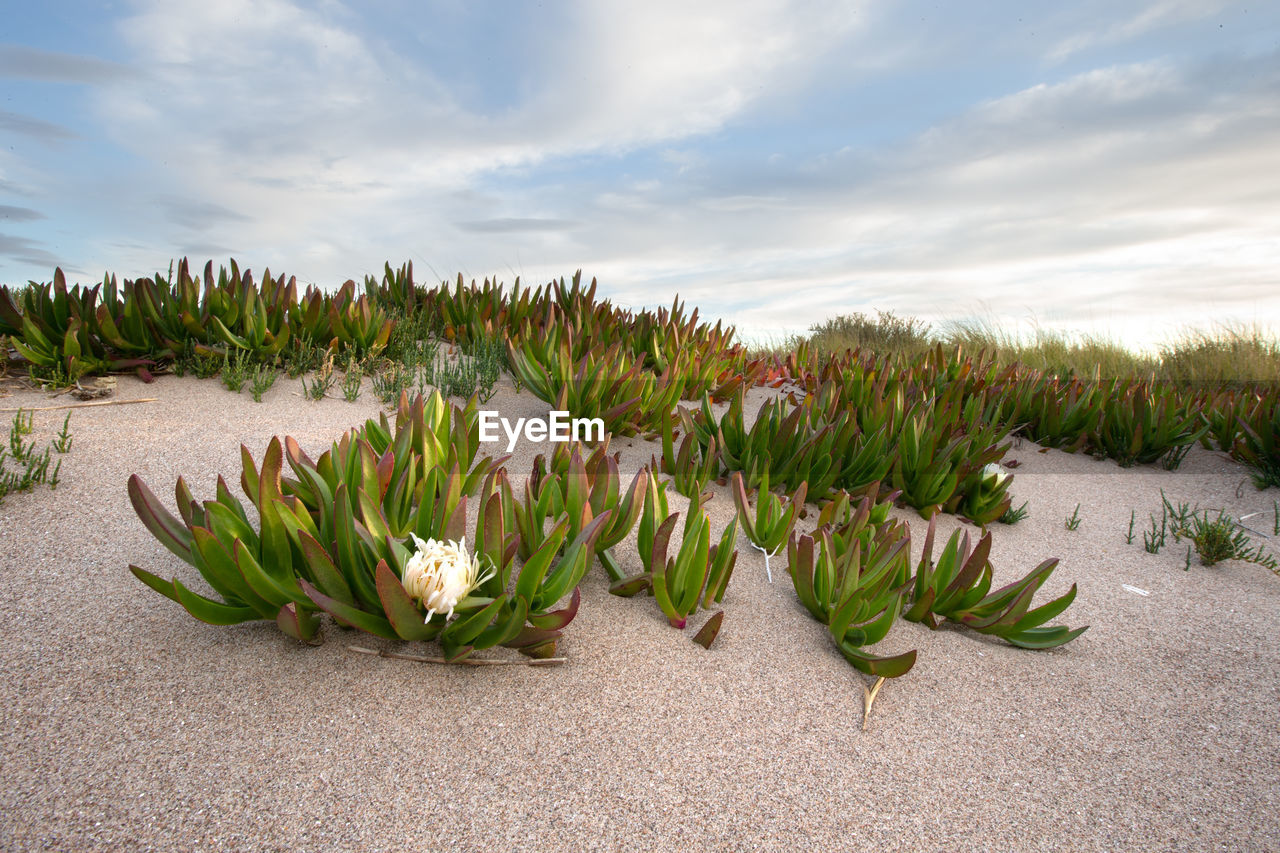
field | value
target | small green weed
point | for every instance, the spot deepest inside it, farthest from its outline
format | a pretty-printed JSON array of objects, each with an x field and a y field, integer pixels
[
  {"x": 23, "y": 425},
  {"x": 63, "y": 442},
  {"x": 1073, "y": 520},
  {"x": 351, "y": 379},
  {"x": 19, "y": 450},
  {"x": 49, "y": 378},
  {"x": 199, "y": 365},
  {"x": 321, "y": 382},
  {"x": 412, "y": 340},
  {"x": 235, "y": 371},
  {"x": 1221, "y": 538},
  {"x": 1013, "y": 516},
  {"x": 264, "y": 376},
  {"x": 390, "y": 382},
  {"x": 1154, "y": 539},
  {"x": 31, "y": 468},
  {"x": 470, "y": 374},
  {"x": 304, "y": 356}
]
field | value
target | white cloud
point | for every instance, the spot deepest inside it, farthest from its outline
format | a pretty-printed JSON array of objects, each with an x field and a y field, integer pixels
[
  {"x": 297, "y": 93},
  {"x": 710, "y": 149},
  {"x": 305, "y": 120},
  {"x": 647, "y": 72},
  {"x": 1154, "y": 15},
  {"x": 1137, "y": 196}
]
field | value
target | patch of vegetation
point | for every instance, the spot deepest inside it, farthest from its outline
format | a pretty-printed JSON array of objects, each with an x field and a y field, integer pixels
[
  {"x": 22, "y": 467},
  {"x": 235, "y": 370},
  {"x": 321, "y": 381},
  {"x": 1221, "y": 538},
  {"x": 1013, "y": 516},
  {"x": 264, "y": 376},
  {"x": 352, "y": 378},
  {"x": 886, "y": 334}
]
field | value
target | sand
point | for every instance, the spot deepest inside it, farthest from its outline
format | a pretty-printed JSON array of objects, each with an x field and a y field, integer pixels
[{"x": 129, "y": 725}]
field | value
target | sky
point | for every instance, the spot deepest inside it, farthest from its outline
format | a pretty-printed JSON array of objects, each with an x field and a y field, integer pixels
[{"x": 1102, "y": 167}]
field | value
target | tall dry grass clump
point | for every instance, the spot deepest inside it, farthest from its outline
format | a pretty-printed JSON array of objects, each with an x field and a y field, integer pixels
[
  {"x": 1226, "y": 356},
  {"x": 886, "y": 334},
  {"x": 1230, "y": 355},
  {"x": 1050, "y": 351}
]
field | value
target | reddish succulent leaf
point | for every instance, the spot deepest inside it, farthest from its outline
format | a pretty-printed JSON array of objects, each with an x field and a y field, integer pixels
[
  {"x": 710, "y": 630},
  {"x": 301, "y": 627},
  {"x": 405, "y": 617},
  {"x": 558, "y": 619}
]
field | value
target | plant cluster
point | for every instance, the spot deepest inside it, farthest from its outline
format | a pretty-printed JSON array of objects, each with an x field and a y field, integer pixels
[
  {"x": 593, "y": 360},
  {"x": 696, "y": 576},
  {"x": 580, "y": 490},
  {"x": 770, "y": 526},
  {"x": 930, "y": 431},
  {"x": 1255, "y": 439},
  {"x": 853, "y": 575},
  {"x": 1214, "y": 538},
  {"x": 1132, "y": 421},
  {"x": 1221, "y": 538},
  {"x": 957, "y": 587},
  {"x": 176, "y": 318},
  {"x": 691, "y": 468},
  {"x": 939, "y": 412},
  {"x": 373, "y": 533},
  {"x": 30, "y": 467}
]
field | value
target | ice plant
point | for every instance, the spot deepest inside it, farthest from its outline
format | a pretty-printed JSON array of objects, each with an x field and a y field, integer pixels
[
  {"x": 994, "y": 470},
  {"x": 957, "y": 585},
  {"x": 987, "y": 499},
  {"x": 440, "y": 574}
]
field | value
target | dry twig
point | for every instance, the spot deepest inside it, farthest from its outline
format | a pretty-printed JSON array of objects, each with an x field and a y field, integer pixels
[{"x": 464, "y": 661}]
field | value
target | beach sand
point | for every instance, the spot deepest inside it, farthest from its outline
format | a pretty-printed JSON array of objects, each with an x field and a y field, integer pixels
[{"x": 129, "y": 725}]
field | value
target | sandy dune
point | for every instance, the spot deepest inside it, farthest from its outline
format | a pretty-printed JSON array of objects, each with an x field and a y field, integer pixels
[{"x": 129, "y": 725}]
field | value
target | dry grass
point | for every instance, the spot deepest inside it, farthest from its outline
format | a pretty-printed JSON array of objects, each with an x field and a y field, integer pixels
[
  {"x": 885, "y": 334},
  {"x": 1230, "y": 355}
]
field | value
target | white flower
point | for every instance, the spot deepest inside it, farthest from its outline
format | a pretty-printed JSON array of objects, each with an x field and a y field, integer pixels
[
  {"x": 995, "y": 470},
  {"x": 440, "y": 574}
]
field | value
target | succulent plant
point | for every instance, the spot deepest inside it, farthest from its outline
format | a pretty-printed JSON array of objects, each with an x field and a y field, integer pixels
[
  {"x": 956, "y": 587},
  {"x": 771, "y": 525},
  {"x": 54, "y": 328},
  {"x": 781, "y": 441},
  {"x": 1063, "y": 414},
  {"x": 1141, "y": 422},
  {"x": 697, "y": 575},
  {"x": 357, "y": 324},
  {"x": 584, "y": 489},
  {"x": 253, "y": 571},
  {"x": 852, "y": 577},
  {"x": 1258, "y": 445},
  {"x": 987, "y": 499},
  {"x": 260, "y": 330},
  {"x": 692, "y": 467},
  {"x": 337, "y": 538},
  {"x": 396, "y": 292}
]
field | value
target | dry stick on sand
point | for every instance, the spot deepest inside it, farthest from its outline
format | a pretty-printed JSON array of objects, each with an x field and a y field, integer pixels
[
  {"x": 81, "y": 405},
  {"x": 464, "y": 661},
  {"x": 868, "y": 699}
]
